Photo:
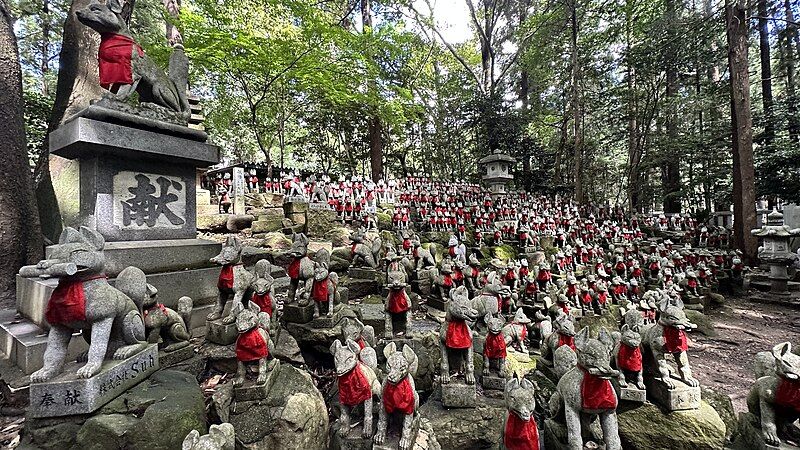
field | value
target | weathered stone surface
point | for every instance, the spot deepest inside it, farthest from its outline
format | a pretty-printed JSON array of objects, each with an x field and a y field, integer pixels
[
  {"x": 703, "y": 322},
  {"x": 66, "y": 394},
  {"x": 470, "y": 428},
  {"x": 748, "y": 435},
  {"x": 358, "y": 288},
  {"x": 682, "y": 397},
  {"x": 340, "y": 237},
  {"x": 292, "y": 417},
  {"x": 212, "y": 222},
  {"x": 267, "y": 224},
  {"x": 723, "y": 405},
  {"x": 277, "y": 240},
  {"x": 238, "y": 222},
  {"x": 320, "y": 222},
  {"x": 648, "y": 428},
  {"x": 493, "y": 382},
  {"x": 295, "y": 313},
  {"x": 457, "y": 394},
  {"x": 221, "y": 333}
]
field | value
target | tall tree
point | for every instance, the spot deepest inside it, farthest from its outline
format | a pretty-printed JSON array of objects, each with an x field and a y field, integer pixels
[
  {"x": 744, "y": 198},
  {"x": 577, "y": 104},
  {"x": 790, "y": 42},
  {"x": 20, "y": 239},
  {"x": 766, "y": 72},
  {"x": 374, "y": 126},
  {"x": 671, "y": 175}
]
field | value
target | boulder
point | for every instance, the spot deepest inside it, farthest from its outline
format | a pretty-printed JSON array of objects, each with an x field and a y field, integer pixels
[
  {"x": 723, "y": 405},
  {"x": 339, "y": 237},
  {"x": 286, "y": 348},
  {"x": 358, "y": 288},
  {"x": 319, "y": 222},
  {"x": 212, "y": 222},
  {"x": 238, "y": 222},
  {"x": 467, "y": 428},
  {"x": 277, "y": 240},
  {"x": 704, "y": 324},
  {"x": 505, "y": 252},
  {"x": 646, "y": 427},
  {"x": 292, "y": 417},
  {"x": 267, "y": 224}
]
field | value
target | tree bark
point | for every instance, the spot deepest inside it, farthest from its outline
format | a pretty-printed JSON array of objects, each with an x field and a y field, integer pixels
[
  {"x": 791, "y": 88},
  {"x": 744, "y": 199},
  {"x": 577, "y": 107},
  {"x": 20, "y": 239},
  {"x": 766, "y": 72},
  {"x": 634, "y": 156},
  {"x": 44, "y": 46},
  {"x": 671, "y": 175},
  {"x": 374, "y": 125}
]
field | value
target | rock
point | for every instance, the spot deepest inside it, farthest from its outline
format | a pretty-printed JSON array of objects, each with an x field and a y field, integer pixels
[
  {"x": 212, "y": 222},
  {"x": 648, "y": 428},
  {"x": 609, "y": 319},
  {"x": 704, "y": 324},
  {"x": 106, "y": 431},
  {"x": 470, "y": 428},
  {"x": 277, "y": 240},
  {"x": 238, "y": 222},
  {"x": 724, "y": 407},
  {"x": 358, "y": 288},
  {"x": 256, "y": 200},
  {"x": 292, "y": 417},
  {"x": 339, "y": 265},
  {"x": 286, "y": 348},
  {"x": 384, "y": 221},
  {"x": 251, "y": 255},
  {"x": 319, "y": 222},
  {"x": 340, "y": 237},
  {"x": 505, "y": 252}
]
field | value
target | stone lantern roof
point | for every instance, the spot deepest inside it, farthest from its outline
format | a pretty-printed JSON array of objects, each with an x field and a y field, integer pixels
[{"x": 775, "y": 227}]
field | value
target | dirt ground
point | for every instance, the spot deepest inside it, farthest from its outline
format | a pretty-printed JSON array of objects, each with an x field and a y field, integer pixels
[{"x": 724, "y": 363}]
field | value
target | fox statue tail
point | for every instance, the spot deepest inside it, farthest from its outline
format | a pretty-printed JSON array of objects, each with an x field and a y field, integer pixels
[{"x": 179, "y": 75}]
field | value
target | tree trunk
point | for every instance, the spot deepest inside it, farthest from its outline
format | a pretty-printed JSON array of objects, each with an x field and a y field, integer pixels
[
  {"x": 374, "y": 126},
  {"x": 671, "y": 176},
  {"x": 766, "y": 72},
  {"x": 577, "y": 107},
  {"x": 744, "y": 199},
  {"x": 634, "y": 156},
  {"x": 791, "y": 88},
  {"x": 20, "y": 239},
  {"x": 44, "y": 46}
]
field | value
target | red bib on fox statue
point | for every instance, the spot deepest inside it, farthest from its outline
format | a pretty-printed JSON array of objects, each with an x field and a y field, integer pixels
[
  {"x": 629, "y": 358},
  {"x": 114, "y": 58},
  {"x": 226, "y": 277},
  {"x": 264, "y": 301},
  {"x": 319, "y": 292},
  {"x": 67, "y": 302},
  {"x": 251, "y": 346},
  {"x": 566, "y": 340},
  {"x": 521, "y": 434},
  {"x": 354, "y": 387},
  {"x": 458, "y": 335},
  {"x": 294, "y": 269},
  {"x": 398, "y": 397},
  {"x": 788, "y": 394},
  {"x": 397, "y": 301},
  {"x": 495, "y": 346},
  {"x": 597, "y": 393},
  {"x": 675, "y": 340}
]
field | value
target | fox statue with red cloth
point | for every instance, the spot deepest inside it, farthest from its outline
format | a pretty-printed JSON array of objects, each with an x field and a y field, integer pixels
[
  {"x": 354, "y": 329},
  {"x": 520, "y": 431},
  {"x": 165, "y": 326},
  {"x": 628, "y": 357},
  {"x": 358, "y": 383},
  {"x": 109, "y": 317},
  {"x": 398, "y": 393},
  {"x": 365, "y": 250},
  {"x": 263, "y": 289},
  {"x": 563, "y": 334},
  {"x": 323, "y": 288},
  {"x": 233, "y": 281},
  {"x": 301, "y": 267},
  {"x": 125, "y": 69},
  {"x": 397, "y": 305},
  {"x": 253, "y": 343},
  {"x": 668, "y": 336},
  {"x": 494, "y": 347},
  {"x": 456, "y": 335},
  {"x": 585, "y": 393},
  {"x": 516, "y": 332},
  {"x": 775, "y": 396}
]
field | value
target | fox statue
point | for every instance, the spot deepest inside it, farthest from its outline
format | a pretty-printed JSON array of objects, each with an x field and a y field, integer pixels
[{"x": 775, "y": 396}]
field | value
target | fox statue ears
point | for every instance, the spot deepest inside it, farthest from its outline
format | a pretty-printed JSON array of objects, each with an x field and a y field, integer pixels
[
  {"x": 72, "y": 236},
  {"x": 781, "y": 350},
  {"x": 232, "y": 241},
  {"x": 582, "y": 338},
  {"x": 349, "y": 344}
]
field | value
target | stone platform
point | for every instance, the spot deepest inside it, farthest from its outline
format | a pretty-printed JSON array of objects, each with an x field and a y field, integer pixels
[
  {"x": 66, "y": 394},
  {"x": 249, "y": 390},
  {"x": 295, "y": 313},
  {"x": 221, "y": 333},
  {"x": 458, "y": 394},
  {"x": 682, "y": 397}
]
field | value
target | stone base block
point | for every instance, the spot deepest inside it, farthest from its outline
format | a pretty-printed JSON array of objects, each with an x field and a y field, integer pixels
[
  {"x": 748, "y": 436},
  {"x": 23, "y": 342},
  {"x": 295, "y": 313},
  {"x": 459, "y": 395},
  {"x": 324, "y": 322},
  {"x": 166, "y": 359},
  {"x": 351, "y": 441},
  {"x": 67, "y": 394},
  {"x": 220, "y": 333},
  {"x": 632, "y": 394},
  {"x": 438, "y": 303},
  {"x": 249, "y": 390},
  {"x": 681, "y": 398},
  {"x": 493, "y": 383},
  {"x": 555, "y": 437},
  {"x": 362, "y": 273}
]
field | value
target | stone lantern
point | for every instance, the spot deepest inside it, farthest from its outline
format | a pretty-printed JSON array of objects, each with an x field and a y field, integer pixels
[
  {"x": 776, "y": 251},
  {"x": 497, "y": 172}
]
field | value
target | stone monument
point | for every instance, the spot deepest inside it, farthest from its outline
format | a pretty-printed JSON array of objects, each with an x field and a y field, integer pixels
[{"x": 497, "y": 172}]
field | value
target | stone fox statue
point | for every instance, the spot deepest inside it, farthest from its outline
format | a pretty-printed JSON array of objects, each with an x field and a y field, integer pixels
[
  {"x": 668, "y": 336},
  {"x": 233, "y": 280},
  {"x": 358, "y": 383},
  {"x": 301, "y": 268},
  {"x": 628, "y": 357},
  {"x": 165, "y": 324},
  {"x": 519, "y": 429},
  {"x": 456, "y": 334},
  {"x": 398, "y": 392},
  {"x": 585, "y": 392},
  {"x": 775, "y": 397},
  {"x": 124, "y": 68},
  {"x": 365, "y": 251},
  {"x": 83, "y": 300}
]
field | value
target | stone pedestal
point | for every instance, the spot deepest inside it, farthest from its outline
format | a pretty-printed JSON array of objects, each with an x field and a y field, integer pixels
[
  {"x": 493, "y": 382},
  {"x": 67, "y": 394},
  {"x": 353, "y": 440},
  {"x": 295, "y": 313},
  {"x": 438, "y": 303},
  {"x": 457, "y": 394},
  {"x": 683, "y": 397},
  {"x": 361, "y": 273},
  {"x": 324, "y": 321},
  {"x": 221, "y": 333},
  {"x": 555, "y": 437},
  {"x": 249, "y": 390},
  {"x": 166, "y": 359},
  {"x": 631, "y": 393},
  {"x": 748, "y": 435}
]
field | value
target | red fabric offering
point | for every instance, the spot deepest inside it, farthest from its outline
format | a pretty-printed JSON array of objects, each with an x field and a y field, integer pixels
[
  {"x": 398, "y": 303},
  {"x": 475, "y": 272},
  {"x": 602, "y": 298},
  {"x": 294, "y": 269},
  {"x": 586, "y": 298},
  {"x": 398, "y": 397},
  {"x": 543, "y": 276},
  {"x": 67, "y": 302},
  {"x": 225, "y": 280},
  {"x": 521, "y": 434},
  {"x": 510, "y": 275},
  {"x": 319, "y": 292},
  {"x": 788, "y": 394},
  {"x": 114, "y": 58},
  {"x": 458, "y": 335},
  {"x": 451, "y": 251},
  {"x": 448, "y": 280},
  {"x": 566, "y": 340},
  {"x": 354, "y": 387},
  {"x": 524, "y": 333},
  {"x": 495, "y": 346},
  {"x": 353, "y": 249},
  {"x": 629, "y": 358},
  {"x": 597, "y": 393},
  {"x": 251, "y": 346},
  {"x": 264, "y": 301},
  {"x": 675, "y": 340},
  {"x": 361, "y": 343}
]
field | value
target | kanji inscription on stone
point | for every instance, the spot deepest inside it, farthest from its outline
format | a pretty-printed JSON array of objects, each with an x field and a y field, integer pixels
[{"x": 149, "y": 201}]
